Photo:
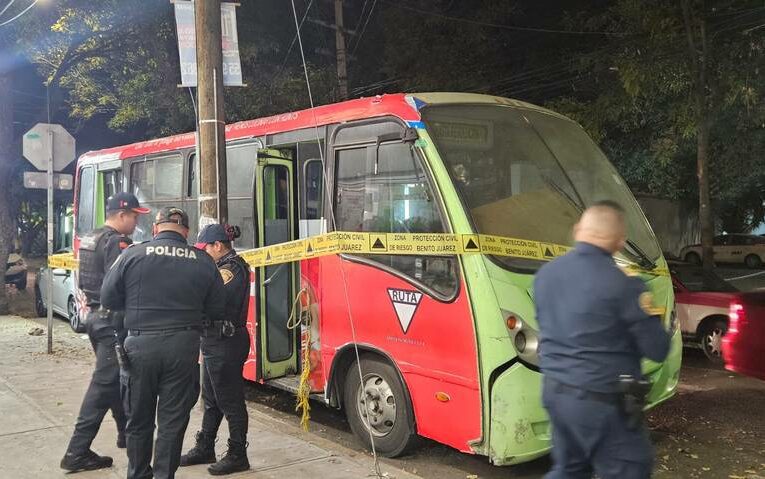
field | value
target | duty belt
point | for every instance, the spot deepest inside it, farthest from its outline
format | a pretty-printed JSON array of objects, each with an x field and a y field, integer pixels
[
  {"x": 608, "y": 398},
  {"x": 159, "y": 332},
  {"x": 218, "y": 324}
]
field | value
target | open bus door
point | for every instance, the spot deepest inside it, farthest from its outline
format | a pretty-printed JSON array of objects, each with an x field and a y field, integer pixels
[
  {"x": 108, "y": 183},
  {"x": 278, "y": 351}
]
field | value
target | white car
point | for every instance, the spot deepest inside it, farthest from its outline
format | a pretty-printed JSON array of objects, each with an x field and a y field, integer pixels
[
  {"x": 64, "y": 294},
  {"x": 731, "y": 248}
]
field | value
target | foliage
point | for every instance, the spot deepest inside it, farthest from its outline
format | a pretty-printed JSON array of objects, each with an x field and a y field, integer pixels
[{"x": 639, "y": 104}]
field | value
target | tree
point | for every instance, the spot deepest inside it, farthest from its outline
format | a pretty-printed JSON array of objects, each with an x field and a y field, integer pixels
[{"x": 675, "y": 92}]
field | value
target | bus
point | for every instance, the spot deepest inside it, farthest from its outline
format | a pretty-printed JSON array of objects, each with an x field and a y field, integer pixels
[{"x": 446, "y": 344}]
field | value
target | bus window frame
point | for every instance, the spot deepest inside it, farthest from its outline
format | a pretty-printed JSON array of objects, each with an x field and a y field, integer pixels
[
  {"x": 332, "y": 151},
  {"x": 304, "y": 188},
  {"x": 257, "y": 143},
  {"x": 78, "y": 231}
]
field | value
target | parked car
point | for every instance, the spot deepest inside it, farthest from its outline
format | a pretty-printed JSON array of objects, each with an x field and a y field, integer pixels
[
  {"x": 732, "y": 248},
  {"x": 64, "y": 294},
  {"x": 702, "y": 300},
  {"x": 744, "y": 345},
  {"x": 16, "y": 274}
]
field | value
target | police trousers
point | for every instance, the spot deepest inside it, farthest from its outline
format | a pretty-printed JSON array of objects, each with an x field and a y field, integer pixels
[
  {"x": 103, "y": 391},
  {"x": 160, "y": 384},
  {"x": 591, "y": 436},
  {"x": 223, "y": 385}
]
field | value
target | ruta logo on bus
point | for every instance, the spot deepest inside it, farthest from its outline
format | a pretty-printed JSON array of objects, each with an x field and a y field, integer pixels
[{"x": 405, "y": 303}]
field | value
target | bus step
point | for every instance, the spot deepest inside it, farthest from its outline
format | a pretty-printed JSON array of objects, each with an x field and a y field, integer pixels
[{"x": 290, "y": 384}]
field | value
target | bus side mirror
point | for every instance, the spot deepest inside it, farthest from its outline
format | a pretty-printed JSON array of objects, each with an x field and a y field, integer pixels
[{"x": 407, "y": 135}]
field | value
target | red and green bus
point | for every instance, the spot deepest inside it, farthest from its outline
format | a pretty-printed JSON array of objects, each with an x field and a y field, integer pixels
[{"x": 447, "y": 344}]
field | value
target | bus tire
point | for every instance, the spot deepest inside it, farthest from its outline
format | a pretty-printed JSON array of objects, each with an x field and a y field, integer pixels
[{"x": 389, "y": 408}]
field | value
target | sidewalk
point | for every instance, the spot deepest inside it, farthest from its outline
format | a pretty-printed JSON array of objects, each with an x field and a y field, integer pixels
[{"x": 40, "y": 396}]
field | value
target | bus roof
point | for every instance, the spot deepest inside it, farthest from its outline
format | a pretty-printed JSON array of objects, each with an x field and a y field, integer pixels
[{"x": 403, "y": 106}]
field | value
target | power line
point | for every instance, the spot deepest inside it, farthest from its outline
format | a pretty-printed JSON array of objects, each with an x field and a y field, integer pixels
[
  {"x": 358, "y": 40},
  {"x": 20, "y": 14},
  {"x": 505, "y": 27},
  {"x": 7, "y": 7}
]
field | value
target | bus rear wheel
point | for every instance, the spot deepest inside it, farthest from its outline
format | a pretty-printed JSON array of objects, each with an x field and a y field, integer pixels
[{"x": 377, "y": 406}]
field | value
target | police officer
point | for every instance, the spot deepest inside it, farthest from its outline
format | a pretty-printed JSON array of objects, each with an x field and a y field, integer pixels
[
  {"x": 225, "y": 346},
  {"x": 98, "y": 251},
  {"x": 166, "y": 288},
  {"x": 595, "y": 328}
]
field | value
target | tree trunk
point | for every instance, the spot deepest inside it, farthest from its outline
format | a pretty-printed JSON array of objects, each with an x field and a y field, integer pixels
[
  {"x": 705, "y": 209},
  {"x": 695, "y": 29},
  {"x": 6, "y": 158}
]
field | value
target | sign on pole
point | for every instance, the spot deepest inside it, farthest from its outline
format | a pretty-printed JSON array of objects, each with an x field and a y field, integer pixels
[
  {"x": 39, "y": 179},
  {"x": 44, "y": 139},
  {"x": 187, "y": 43},
  {"x": 50, "y": 148}
]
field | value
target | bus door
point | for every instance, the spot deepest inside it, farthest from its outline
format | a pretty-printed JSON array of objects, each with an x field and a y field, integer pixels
[
  {"x": 278, "y": 354},
  {"x": 108, "y": 182}
]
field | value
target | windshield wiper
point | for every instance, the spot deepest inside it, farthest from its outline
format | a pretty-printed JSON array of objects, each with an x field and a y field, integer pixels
[
  {"x": 558, "y": 189},
  {"x": 643, "y": 259},
  {"x": 634, "y": 250}
]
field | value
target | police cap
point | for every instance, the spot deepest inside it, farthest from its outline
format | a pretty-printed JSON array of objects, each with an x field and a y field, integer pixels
[
  {"x": 126, "y": 202},
  {"x": 172, "y": 214},
  {"x": 216, "y": 232}
]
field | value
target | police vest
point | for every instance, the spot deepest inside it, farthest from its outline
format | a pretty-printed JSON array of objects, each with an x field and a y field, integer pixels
[
  {"x": 241, "y": 303},
  {"x": 91, "y": 271}
]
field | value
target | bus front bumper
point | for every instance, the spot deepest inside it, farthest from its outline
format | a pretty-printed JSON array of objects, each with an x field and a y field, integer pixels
[{"x": 519, "y": 425}]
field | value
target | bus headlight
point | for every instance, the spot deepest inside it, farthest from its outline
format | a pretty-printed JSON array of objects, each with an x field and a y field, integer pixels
[{"x": 525, "y": 339}]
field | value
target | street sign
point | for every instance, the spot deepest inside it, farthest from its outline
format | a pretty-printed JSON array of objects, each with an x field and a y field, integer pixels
[
  {"x": 187, "y": 43},
  {"x": 39, "y": 179},
  {"x": 45, "y": 139},
  {"x": 49, "y": 148}
]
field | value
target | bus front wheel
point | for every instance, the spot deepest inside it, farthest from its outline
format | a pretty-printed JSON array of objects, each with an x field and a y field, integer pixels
[{"x": 377, "y": 407}]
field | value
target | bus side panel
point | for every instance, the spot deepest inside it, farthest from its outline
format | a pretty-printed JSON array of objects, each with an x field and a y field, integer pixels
[
  {"x": 435, "y": 354},
  {"x": 309, "y": 282},
  {"x": 250, "y": 370}
]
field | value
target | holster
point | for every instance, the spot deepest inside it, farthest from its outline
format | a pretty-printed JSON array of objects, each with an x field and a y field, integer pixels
[
  {"x": 633, "y": 392},
  {"x": 221, "y": 329}
]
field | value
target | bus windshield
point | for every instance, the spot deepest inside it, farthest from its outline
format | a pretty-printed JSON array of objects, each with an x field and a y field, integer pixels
[{"x": 528, "y": 174}]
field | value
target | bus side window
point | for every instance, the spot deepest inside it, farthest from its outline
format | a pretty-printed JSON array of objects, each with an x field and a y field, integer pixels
[
  {"x": 156, "y": 183},
  {"x": 312, "y": 180},
  {"x": 397, "y": 198},
  {"x": 85, "y": 198}
]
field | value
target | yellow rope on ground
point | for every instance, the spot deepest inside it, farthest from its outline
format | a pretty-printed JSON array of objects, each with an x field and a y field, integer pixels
[{"x": 304, "y": 388}]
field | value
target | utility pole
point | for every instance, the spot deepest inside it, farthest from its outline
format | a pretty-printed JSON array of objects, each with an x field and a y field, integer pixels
[
  {"x": 213, "y": 196},
  {"x": 342, "y": 70}
]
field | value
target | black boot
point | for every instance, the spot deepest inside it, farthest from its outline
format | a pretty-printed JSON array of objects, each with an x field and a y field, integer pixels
[
  {"x": 202, "y": 453},
  {"x": 235, "y": 460},
  {"x": 88, "y": 461}
]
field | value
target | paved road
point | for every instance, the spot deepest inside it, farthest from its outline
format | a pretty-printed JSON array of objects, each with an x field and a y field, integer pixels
[{"x": 711, "y": 428}]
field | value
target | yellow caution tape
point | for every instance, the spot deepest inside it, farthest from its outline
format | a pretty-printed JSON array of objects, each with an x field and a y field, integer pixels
[
  {"x": 416, "y": 244},
  {"x": 63, "y": 261}
]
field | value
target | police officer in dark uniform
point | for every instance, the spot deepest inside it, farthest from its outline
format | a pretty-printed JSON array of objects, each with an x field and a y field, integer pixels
[
  {"x": 166, "y": 288},
  {"x": 225, "y": 346},
  {"x": 595, "y": 327},
  {"x": 98, "y": 251}
]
